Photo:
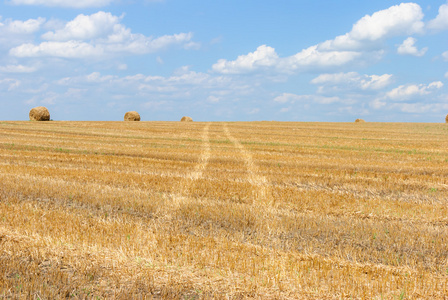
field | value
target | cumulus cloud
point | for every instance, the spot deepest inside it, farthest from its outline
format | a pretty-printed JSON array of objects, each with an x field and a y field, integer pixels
[
  {"x": 22, "y": 27},
  {"x": 362, "y": 42},
  {"x": 396, "y": 20},
  {"x": 441, "y": 21},
  {"x": 15, "y": 32},
  {"x": 70, "y": 49},
  {"x": 64, "y": 3},
  {"x": 411, "y": 98},
  {"x": 408, "y": 48},
  {"x": 312, "y": 56},
  {"x": 97, "y": 35},
  {"x": 403, "y": 19},
  {"x": 352, "y": 81},
  {"x": 86, "y": 27},
  {"x": 266, "y": 58},
  {"x": 405, "y": 92}
]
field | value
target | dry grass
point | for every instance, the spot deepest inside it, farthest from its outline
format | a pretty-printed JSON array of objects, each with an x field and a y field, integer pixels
[{"x": 223, "y": 210}]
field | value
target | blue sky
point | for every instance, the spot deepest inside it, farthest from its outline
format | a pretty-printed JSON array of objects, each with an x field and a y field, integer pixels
[{"x": 225, "y": 60}]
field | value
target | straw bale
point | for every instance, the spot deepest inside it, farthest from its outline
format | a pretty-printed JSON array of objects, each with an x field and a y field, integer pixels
[
  {"x": 186, "y": 119},
  {"x": 132, "y": 116},
  {"x": 39, "y": 113}
]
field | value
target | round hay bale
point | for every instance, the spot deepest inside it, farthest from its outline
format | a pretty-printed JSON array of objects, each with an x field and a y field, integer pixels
[
  {"x": 359, "y": 121},
  {"x": 39, "y": 113},
  {"x": 132, "y": 116},
  {"x": 446, "y": 119},
  {"x": 186, "y": 119}
]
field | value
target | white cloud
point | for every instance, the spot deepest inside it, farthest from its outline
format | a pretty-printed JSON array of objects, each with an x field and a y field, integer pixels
[
  {"x": 16, "y": 32},
  {"x": 353, "y": 80},
  {"x": 50, "y": 98},
  {"x": 403, "y": 19},
  {"x": 22, "y": 27},
  {"x": 195, "y": 78},
  {"x": 9, "y": 83},
  {"x": 420, "y": 108},
  {"x": 396, "y": 20},
  {"x": 253, "y": 111},
  {"x": 408, "y": 48},
  {"x": 265, "y": 57},
  {"x": 287, "y": 97},
  {"x": 182, "y": 90},
  {"x": 192, "y": 45},
  {"x": 98, "y": 35},
  {"x": 96, "y": 77},
  {"x": 70, "y": 49},
  {"x": 405, "y": 92},
  {"x": 158, "y": 105},
  {"x": 293, "y": 98},
  {"x": 313, "y": 57},
  {"x": 377, "y": 103},
  {"x": 17, "y": 69},
  {"x": 140, "y": 44},
  {"x": 122, "y": 67},
  {"x": 75, "y": 93},
  {"x": 441, "y": 21},
  {"x": 213, "y": 99},
  {"x": 64, "y": 3},
  {"x": 435, "y": 85},
  {"x": 445, "y": 55},
  {"x": 363, "y": 42},
  {"x": 376, "y": 82},
  {"x": 85, "y": 27},
  {"x": 141, "y": 81},
  {"x": 446, "y": 75}
]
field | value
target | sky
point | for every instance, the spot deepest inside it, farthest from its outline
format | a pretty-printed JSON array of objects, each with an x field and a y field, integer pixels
[{"x": 225, "y": 60}]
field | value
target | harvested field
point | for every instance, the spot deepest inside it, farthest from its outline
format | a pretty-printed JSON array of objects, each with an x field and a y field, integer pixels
[{"x": 223, "y": 210}]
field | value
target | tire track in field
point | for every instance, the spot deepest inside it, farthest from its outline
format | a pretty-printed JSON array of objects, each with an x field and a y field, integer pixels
[
  {"x": 205, "y": 154},
  {"x": 259, "y": 182},
  {"x": 197, "y": 173}
]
